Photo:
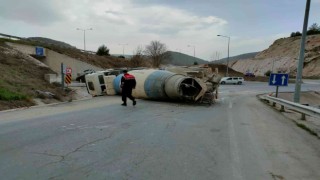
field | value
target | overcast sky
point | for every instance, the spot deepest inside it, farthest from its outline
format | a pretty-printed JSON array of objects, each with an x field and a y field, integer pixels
[{"x": 252, "y": 24}]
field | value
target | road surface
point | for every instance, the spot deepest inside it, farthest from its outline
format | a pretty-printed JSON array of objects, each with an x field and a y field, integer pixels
[{"x": 239, "y": 137}]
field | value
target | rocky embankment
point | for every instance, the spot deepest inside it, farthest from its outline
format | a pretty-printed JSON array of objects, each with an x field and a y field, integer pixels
[{"x": 282, "y": 56}]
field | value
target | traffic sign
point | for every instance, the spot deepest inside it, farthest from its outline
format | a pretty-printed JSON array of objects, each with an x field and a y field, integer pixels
[
  {"x": 67, "y": 79},
  {"x": 39, "y": 51},
  {"x": 278, "y": 79},
  {"x": 68, "y": 70}
]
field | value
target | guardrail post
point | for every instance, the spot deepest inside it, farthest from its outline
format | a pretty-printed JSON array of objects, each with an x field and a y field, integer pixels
[
  {"x": 274, "y": 104},
  {"x": 303, "y": 117},
  {"x": 282, "y": 109}
]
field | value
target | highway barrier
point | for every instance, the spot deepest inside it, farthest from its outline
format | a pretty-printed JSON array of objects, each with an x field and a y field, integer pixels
[{"x": 303, "y": 109}]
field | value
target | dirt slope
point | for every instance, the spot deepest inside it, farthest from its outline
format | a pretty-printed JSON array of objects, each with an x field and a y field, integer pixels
[
  {"x": 21, "y": 77},
  {"x": 282, "y": 55}
]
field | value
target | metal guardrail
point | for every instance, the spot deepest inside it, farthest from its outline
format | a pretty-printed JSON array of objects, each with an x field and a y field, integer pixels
[
  {"x": 304, "y": 110},
  {"x": 10, "y": 36}
]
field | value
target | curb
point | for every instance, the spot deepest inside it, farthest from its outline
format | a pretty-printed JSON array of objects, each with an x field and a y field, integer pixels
[
  {"x": 46, "y": 105},
  {"x": 298, "y": 123}
]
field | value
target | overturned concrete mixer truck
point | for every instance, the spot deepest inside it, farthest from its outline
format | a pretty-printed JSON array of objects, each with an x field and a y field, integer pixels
[{"x": 156, "y": 85}]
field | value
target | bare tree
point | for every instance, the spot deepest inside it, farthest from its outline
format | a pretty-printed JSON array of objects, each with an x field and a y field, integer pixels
[
  {"x": 314, "y": 27},
  {"x": 138, "y": 59},
  {"x": 157, "y": 52}
]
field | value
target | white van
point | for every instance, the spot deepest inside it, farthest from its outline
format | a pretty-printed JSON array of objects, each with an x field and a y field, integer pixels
[{"x": 232, "y": 80}]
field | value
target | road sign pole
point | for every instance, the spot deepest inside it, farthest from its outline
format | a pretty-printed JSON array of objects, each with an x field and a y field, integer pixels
[
  {"x": 277, "y": 90},
  {"x": 62, "y": 76},
  {"x": 296, "y": 97}
]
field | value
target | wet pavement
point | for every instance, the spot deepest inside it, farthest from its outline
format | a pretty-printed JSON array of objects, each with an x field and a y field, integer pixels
[{"x": 238, "y": 137}]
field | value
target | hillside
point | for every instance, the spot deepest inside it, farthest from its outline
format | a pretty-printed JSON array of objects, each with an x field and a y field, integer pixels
[
  {"x": 236, "y": 58},
  {"x": 21, "y": 77},
  {"x": 181, "y": 59},
  {"x": 100, "y": 61},
  {"x": 48, "y": 41},
  {"x": 282, "y": 56}
]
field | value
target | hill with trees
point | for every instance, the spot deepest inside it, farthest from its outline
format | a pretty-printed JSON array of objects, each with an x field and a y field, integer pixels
[
  {"x": 181, "y": 59},
  {"x": 313, "y": 29},
  {"x": 236, "y": 58},
  {"x": 48, "y": 41}
]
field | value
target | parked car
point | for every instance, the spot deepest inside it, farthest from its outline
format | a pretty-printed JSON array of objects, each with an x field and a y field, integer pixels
[
  {"x": 248, "y": 74},
  {"x": 232, "y": 80}
]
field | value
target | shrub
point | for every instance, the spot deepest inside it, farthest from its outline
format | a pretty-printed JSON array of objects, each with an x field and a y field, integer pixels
[
  {"x": 267, "y": 73},
  {"x": 8, "y": 95},
  {"x": 103, "y": 51}
]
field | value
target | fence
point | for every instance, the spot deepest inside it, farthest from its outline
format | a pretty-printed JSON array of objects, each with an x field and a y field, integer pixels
[{"x": 303, "y": 109}]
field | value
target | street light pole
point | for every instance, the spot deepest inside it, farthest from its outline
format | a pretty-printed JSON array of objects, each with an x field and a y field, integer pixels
[
  {"x": 296, "y": 97},
  {"x": 84, "y": 36},
  {"x": 227, "y": 73},
  {"x": 123, "y": 48}
]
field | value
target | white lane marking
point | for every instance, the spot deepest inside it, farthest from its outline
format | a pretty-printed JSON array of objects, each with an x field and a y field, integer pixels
[
  {"x": 230, "y": 105},
  {"x": 236, "y": 165}
]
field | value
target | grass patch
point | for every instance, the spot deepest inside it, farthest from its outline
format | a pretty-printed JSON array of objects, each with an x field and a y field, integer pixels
[
  {"x": 8, "y": 95},
  {"x": 306, "y": 128}
]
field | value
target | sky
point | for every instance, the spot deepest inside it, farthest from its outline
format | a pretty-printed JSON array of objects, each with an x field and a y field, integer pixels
[{"x": 187, "y": 26}]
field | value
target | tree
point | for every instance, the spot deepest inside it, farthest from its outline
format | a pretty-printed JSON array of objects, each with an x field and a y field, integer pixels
[
  {"x": 298, "y": 33},
  {"x": 267, "y": 73},
  {"x": 314, "y": 29},
  {"x": 294, "y": 34},
  {"x": 156, "y": 51},
  {"x": 137, "y": 59},
  {"x": 103, "y": 51}
]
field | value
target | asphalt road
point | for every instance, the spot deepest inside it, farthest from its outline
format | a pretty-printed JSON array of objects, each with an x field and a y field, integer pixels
[{"x": 238, "y": 137}]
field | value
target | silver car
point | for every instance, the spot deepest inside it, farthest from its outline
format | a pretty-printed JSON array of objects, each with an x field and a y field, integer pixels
[{"x": 232, "y": 80}]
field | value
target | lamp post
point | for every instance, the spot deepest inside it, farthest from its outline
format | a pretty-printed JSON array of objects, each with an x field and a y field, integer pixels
[
  {"x": 123, "y": 48},
  {"x": 84, "y": 36},
  {"x": 227, "y": 73},
  {"x": 297, "y": 90}
]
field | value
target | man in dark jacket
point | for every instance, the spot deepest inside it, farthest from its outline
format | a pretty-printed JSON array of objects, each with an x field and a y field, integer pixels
[{"x": 128, "y": 82}]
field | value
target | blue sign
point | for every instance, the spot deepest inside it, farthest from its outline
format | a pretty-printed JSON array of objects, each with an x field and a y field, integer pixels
[
  {"x": 39, "y": 51},
  {"x": 278, "y": 79}
]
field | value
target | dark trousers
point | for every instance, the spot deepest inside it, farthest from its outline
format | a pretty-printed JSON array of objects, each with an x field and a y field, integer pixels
[{"x": 127, "y": 92}]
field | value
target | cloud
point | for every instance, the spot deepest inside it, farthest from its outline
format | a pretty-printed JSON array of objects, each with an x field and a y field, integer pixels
[
  {"x": 113, "y": 22},
  {"x": 35, "y": 12},
  {"x": 165, "y": 20},
  {"x": 155, "y": 19}
]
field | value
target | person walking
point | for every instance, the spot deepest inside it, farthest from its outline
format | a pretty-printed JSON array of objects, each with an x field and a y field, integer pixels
[{"x": 128, "y": 82}]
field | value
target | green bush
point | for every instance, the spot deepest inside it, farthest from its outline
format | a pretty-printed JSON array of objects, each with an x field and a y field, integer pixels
[
  {"x": 103, "y": 51},
  {"x": 8, "y": 95},
  {"x": 267, "y": 73}
]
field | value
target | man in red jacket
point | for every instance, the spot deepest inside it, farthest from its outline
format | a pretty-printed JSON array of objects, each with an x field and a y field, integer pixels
[{"x": 128, "y": 82}]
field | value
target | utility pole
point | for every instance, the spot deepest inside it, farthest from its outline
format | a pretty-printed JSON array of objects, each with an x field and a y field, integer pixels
[
  {"x": 296, "y": 97},
  {"x": 227, "y": 73},
  {"x": 123, "y": 48},
  {"x": 84, "y": 37}
]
